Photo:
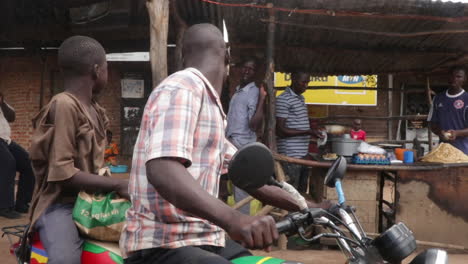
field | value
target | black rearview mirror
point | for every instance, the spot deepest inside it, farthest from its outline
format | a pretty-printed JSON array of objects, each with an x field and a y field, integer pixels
[
  {"x": 252, "y": 166},
  {"x": 336, "y": 171}
]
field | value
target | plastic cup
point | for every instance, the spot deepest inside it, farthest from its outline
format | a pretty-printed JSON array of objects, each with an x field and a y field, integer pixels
[{"x": 408, "y": 156}]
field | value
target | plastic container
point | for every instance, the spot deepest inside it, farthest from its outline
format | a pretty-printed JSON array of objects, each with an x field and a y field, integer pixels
[
  {"x": 399, "y": 153},
  {"x": 408, "y": 156},
  {"x": 119, "y": 169},
  {"x": 396, "y": 243}
]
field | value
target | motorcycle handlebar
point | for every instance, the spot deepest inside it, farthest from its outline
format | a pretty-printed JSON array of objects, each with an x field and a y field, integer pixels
[
  {"x": 293, "y": 221},
  {"x": 285, "y": 226}
]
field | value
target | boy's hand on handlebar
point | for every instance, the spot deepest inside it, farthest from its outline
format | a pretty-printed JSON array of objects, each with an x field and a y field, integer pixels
[{"x": 254, "y": 232}]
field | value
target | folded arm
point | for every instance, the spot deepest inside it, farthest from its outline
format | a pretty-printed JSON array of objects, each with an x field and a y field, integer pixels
[{"x": 8, "y": 111}]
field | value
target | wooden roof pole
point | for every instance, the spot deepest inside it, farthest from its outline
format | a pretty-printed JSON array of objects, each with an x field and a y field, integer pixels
[
  {"x": 270, "y": 134},
  {"x": 390, "y": 107},
  {"x": 429, "y": 101},
  {"x": 181, "y": 27},
  {"x": 158, "y": 11}
]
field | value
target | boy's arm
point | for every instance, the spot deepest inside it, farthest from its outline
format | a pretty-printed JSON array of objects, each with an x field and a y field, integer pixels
[
  {"x": 8, "y": 111},
  {"x": 95, "y": 183}
]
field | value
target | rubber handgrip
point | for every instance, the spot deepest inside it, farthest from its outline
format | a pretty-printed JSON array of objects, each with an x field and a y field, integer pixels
[{"x": 284, "y": 226}]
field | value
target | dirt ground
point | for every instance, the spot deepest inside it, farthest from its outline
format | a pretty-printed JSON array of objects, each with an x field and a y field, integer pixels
[{"x": 305, "y": 256}]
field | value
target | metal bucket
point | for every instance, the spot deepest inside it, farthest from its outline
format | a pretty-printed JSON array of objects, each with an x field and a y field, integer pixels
[{"x": 345, "y": 146}]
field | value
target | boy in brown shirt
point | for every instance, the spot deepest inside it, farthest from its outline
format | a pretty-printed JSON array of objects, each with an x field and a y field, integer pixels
[{"x": 68, "y": 149}]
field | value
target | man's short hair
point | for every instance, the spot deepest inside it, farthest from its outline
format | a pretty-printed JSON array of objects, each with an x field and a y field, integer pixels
[
  {"x": 457, "y": 68},
  {"x": 249, "y": 59},
  {"x": 78, "y": 54},
  {"x": 296, "y": 74}
]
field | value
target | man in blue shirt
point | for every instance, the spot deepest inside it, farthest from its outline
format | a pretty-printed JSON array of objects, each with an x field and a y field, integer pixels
[
  {"x": 245, "y": 116},
  {"x": 246, "y": 111},
  {"x": 449, "y": 115}
]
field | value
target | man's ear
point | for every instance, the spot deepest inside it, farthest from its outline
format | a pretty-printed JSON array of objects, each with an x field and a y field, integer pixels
[{"x": 95, "y": 71}]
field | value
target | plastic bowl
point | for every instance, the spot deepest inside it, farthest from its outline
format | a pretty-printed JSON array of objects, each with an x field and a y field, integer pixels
[{"x": 119, "y": 168}]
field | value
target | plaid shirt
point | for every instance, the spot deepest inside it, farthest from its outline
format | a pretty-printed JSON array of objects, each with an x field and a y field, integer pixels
[{"x": 183, "y": 118}]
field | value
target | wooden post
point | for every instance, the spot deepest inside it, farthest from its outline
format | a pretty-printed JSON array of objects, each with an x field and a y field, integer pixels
[
  {"x": 269, "y": 81},
  {"x": 390, "y": 107},
  {"x": 243, "y": 202},
  {"x": 181, "y": 27},
  {"x": 429, "y": 101},
  {"x": 271, "y": 118},
  {"x": 158, "y": 11}
]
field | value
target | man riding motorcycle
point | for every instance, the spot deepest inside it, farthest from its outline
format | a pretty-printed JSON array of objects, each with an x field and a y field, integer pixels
[{"x": 178, "y": 158}]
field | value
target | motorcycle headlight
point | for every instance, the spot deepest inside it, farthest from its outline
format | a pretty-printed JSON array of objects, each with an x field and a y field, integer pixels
[{"x": 396, "y": 243}]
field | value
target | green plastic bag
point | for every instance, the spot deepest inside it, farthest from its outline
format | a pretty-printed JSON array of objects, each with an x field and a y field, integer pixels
[{"x": 100, "y": 217}]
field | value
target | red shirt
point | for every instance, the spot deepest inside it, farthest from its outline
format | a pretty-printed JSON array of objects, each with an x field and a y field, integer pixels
[{"x": 358, "y": 135}]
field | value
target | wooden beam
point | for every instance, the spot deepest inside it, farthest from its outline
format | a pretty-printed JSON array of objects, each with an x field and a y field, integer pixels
[
  {"x": 346, "y": 13},
  {"x": 376, "y": 33},
  {"x": 242, "y": 202},
  {"x": 158, "y": 11},
  {"x": 454, "y": 61},
  {"x": 436, "y": 50}
]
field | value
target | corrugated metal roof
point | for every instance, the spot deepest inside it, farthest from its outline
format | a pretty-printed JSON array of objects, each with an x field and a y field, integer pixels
[
  {"x": 353, "y": 36},
  {"x": 321, "y": 36}
]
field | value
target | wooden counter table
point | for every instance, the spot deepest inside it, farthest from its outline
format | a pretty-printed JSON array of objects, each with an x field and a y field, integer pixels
[{"x": 430, "y": 198}]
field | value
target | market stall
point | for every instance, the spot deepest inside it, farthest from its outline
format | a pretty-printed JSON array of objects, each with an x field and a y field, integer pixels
[{"x": 428, "y": 197}]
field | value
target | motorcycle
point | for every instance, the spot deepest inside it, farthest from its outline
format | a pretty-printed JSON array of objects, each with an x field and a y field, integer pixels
[{"x": 340, "y": 221}]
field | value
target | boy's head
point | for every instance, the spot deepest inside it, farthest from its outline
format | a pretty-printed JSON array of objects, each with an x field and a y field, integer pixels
[
  {"x": 81, "y": 56},
  {"x": 357, "y": 124}
]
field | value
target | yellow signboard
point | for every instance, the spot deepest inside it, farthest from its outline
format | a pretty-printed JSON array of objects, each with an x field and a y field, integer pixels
[{"x": 335, "y": 96}]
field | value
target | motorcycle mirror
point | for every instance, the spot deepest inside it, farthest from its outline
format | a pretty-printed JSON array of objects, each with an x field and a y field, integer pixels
[
  {"x": 336, "y": 171},
  {"x": 251, "y": 167}
]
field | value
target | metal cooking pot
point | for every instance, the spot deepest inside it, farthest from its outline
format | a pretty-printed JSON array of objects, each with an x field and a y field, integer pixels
[{"x": 345, "y": 146}]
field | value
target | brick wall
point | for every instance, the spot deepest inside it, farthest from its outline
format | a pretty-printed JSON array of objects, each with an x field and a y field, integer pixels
[{"x": 20, "y": 82}]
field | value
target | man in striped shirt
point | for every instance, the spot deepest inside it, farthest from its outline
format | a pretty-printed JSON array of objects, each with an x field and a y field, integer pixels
[{"x": 293, "y": 128}]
